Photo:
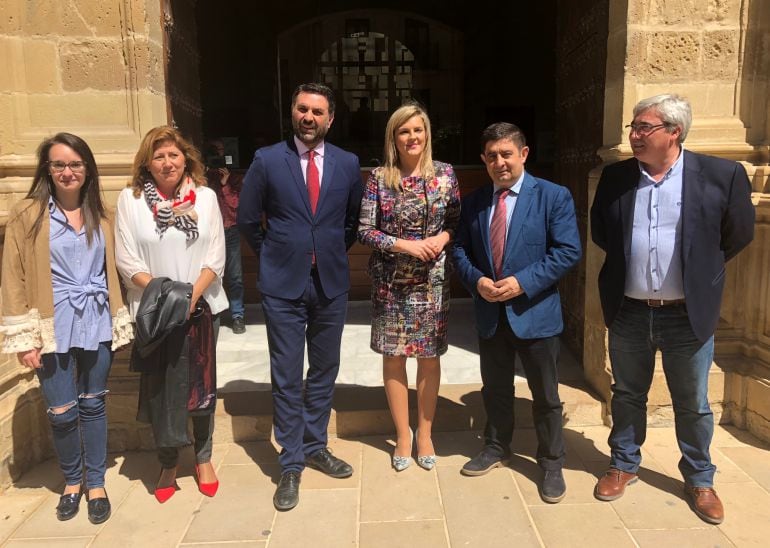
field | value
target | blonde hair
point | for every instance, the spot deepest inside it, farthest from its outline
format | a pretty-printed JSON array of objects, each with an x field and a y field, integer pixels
[
  {"x": 391, "y": 165},
  {"x": 151, "y": 141}
]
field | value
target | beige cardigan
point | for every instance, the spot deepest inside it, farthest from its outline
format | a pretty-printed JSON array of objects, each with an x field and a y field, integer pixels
[{"x": 27, "y": 289}]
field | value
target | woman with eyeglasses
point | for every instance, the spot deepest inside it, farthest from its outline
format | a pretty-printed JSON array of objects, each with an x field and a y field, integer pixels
[
  {"x": 169, "y": 226},
  {"x": 409, "y": 212},
  {"x": 63, "y": 314}
]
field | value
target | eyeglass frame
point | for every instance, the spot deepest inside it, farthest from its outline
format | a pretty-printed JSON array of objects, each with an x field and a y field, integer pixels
[
  {"x": 634, "y": 128},
  {"x": 66, "y": 165}
]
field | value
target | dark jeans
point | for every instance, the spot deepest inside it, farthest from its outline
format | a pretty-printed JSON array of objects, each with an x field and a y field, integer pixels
[
  {"x": 637, "y": 332},
  {"x": 539, "y": 358},
  {"x": 233, "y": 271},
  {"x": 77, "y": 380}
]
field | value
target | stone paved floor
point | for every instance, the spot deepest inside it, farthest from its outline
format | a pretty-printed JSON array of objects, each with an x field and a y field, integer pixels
[{"x": 379, "y": 507}]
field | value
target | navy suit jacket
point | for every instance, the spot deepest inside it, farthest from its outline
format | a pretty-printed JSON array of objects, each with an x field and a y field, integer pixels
[
  {"x": 717, "y": 222},
  {"x": 543, "y": 243},
  {"x": 275, "y": 186}
]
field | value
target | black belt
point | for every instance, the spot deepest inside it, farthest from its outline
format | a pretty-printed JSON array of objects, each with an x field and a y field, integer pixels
[{"x": 657, "y": 303}]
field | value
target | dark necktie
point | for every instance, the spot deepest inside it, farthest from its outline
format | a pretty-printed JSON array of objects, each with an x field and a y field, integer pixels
[
  {"x": 313, "y": 183},
  {"x": 497, "y": 232}
]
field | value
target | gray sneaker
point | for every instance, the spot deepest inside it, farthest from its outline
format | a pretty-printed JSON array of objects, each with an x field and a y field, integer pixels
[
  {"x": 482, "y": 463},
  {"x": 239, "y": 326},
  {"x": 553, "y": 488}
]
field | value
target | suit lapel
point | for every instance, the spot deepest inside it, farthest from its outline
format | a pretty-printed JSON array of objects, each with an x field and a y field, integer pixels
[
  {"x": 329, "y": 162},
  {"x": 520, "y": 212},
  {"x": 292, "y": 160},
  {"x": 691, "y": 200},
  {"x": 486, "y": 201},
  {"x": 627, "y": 203}
]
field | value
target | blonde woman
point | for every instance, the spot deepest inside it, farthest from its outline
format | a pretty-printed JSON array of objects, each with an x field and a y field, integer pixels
[
  {"x": 169, "y": 225},
  {"x": 409, "y": 212}
]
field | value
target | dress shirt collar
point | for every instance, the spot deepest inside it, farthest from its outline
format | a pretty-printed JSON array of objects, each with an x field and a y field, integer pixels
[
  {"x": 674, "y": 170},
  {"x": 55, "y": 213},
  {"x": 516, "y": 188},
  {"x": 302, "y": 148}
]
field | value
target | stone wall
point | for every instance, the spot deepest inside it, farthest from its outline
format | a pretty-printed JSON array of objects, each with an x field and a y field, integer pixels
[
  {"x": 93, "y": 68},
  {"x": 715, "y": 53}
]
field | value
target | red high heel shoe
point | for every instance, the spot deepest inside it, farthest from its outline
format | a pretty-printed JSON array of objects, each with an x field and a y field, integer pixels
[
  {"x": 165, "y": 493},
  {"x": 208, "y": 489}
]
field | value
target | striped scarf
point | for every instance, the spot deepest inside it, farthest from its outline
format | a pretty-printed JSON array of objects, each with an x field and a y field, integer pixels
[{"x": 179, "y": 212}]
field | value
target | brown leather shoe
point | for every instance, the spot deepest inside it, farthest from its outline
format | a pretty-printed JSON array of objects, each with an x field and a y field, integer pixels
[
  {"x": 613, "y": 483},
  {"x": 705, "y": 503}
]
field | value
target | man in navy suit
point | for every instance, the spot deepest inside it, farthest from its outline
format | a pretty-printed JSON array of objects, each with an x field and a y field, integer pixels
[
  {"x": 517, "y": 238},
  {"x": 668, "y": 220},
  {"x": 310, "y": 194}
]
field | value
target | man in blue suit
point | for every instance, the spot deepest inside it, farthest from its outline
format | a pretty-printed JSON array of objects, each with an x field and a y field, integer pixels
[
  {"x": 517, "y": 238},
  {"x": 309, "y": 192},
  {"x": 668, "y": 220}
]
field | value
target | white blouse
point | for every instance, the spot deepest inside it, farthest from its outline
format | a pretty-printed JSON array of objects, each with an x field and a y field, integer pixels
[{"x": 139, "y": 248}]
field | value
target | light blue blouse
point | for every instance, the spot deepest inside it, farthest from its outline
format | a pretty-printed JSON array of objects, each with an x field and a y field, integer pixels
[{"x": 81, "y": 307}]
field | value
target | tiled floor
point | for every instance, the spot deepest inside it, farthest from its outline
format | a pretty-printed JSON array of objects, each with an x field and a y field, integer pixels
[{"x": 379, "y": 507}]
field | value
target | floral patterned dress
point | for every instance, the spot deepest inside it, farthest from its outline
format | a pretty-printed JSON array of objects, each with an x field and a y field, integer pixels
[{"x": 410, "y": 298}]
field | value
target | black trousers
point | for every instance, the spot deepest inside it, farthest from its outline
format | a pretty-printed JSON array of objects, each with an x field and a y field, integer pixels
[{"x": 539, "y": 358}]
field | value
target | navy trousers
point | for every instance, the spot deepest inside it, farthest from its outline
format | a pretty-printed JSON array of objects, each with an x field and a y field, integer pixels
[{"x": 301, "y": 410}]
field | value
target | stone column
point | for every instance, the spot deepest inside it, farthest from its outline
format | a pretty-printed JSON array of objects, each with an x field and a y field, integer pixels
[
  {"x": 710, "y": 52},
  {"x": 93, "y": 68}
]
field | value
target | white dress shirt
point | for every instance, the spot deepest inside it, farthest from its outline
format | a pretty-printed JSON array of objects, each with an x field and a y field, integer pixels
[{"x": 139, "y": 248}]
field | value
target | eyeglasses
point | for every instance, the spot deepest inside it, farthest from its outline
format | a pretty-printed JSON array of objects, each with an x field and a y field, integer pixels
[
  {"x": 75, "y": 167},
  {"x": 643, "y": 130}
]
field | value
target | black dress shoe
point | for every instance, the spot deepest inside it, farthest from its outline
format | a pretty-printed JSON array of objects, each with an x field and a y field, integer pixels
[
  {"x": 287, "y": 494},
  {"x": 68, "y": 506},
  {"x": 482, "y": 463},
  {"x": 553, "y": 487},
  {"x": 99, "y": 510},
  {"x": 330, "y": 465}
]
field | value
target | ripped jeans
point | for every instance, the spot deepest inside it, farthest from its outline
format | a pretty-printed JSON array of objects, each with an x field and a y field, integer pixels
[{"x": 74, "y": 385}]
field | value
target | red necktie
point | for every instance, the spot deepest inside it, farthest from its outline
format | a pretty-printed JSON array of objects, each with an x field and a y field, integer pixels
[
  {"x": 497, "y": 232},
  {"x": 313, "y": 183}
]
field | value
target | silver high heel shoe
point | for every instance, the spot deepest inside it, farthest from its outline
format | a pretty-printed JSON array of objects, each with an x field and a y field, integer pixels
[
  {"x": 402, "y": 463},
  {"x": 426, "y": 462}
]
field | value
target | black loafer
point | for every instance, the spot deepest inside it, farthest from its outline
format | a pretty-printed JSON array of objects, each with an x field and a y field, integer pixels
[
  {"x": 553, "y": 487},
  {"x": 482, "y": 463},
  {"x": 68, "y": 506},
  {"x": 99, "y": 510},
  {"x": 330, "y": 465},
  {"x": 287, "y": 494}
]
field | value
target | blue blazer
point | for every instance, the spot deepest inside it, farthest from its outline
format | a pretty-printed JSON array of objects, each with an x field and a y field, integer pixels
[
  {"x": 274, "y": 186},
  {"x": 543, "y": 243},
  {"x": 717, "y": 222}
]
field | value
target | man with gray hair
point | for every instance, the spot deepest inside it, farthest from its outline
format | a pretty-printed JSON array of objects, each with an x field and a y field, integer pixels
[{"x": 668, "y": 219}]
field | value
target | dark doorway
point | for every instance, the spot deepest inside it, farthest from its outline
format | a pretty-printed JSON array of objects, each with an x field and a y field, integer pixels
[
  {"x": 540, "y": 65},
  {"x": 468, "y": 62}
]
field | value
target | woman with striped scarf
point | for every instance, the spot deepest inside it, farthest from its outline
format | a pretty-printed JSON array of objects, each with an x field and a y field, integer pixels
[{"x": 169, "y": 225}]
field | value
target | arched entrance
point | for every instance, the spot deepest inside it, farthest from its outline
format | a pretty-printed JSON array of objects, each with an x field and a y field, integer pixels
[{"x": 375, "y": 60}]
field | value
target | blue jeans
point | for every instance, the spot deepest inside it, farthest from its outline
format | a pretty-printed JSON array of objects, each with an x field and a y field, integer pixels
[
  {"x": 233, "y": 271},
  {"x": 637, "y": 332},
  {"x": 77, "y": 381}
]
